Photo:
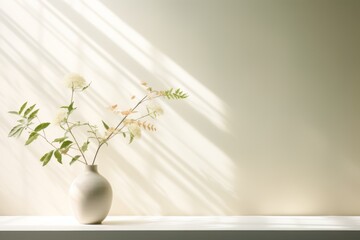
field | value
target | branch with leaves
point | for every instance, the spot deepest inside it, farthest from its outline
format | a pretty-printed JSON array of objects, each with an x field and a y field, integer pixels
[{"x": 130, "y": 123}]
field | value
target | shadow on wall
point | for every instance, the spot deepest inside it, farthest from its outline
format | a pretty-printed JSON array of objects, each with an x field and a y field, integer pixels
[{"x": 178, "y": 170}]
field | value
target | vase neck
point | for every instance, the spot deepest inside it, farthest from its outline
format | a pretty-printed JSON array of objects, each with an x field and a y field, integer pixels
[{"x": 91, "y": 168}]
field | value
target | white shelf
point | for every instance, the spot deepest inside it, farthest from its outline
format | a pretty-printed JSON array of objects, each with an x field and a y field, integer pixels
[{"x": 183, "y": 223}]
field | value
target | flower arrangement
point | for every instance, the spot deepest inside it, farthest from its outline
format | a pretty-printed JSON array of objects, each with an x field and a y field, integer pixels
[{"x": 129, "y": 126}]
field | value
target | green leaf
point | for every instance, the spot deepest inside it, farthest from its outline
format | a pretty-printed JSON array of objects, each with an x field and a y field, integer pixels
[
  {"x": 84, "y": 147},
  {"x": 41, "y": 126},
  {"x": 43, "y": 157},
  {"x": 33, "y": 115},
  {"x": 124, "y": 134},
  {"x": 22, "y": 107},
  {"x": 60, "y": 140},
  {"x": 71, "y": 107},
  {"x": 178, "y": 94},
  {"x": 27, "y": 111},
  {"x": 74, "y": 159},
  {"x": 13, "y": 112},
  {"x": 48, "y": 157},
  {"x": 58, "y": 156},
  {"x": 65, "y": 150},
  {"x": 16, "y": 131},
  {"x": 105, "y": 125},
  {"x": 21, "y": 121},
  {"x": 131, "y": 137},
  {"x": 32, "y": 137},
  {"x": 66, "y": 143},
  {"x": 86, "y": 87}
]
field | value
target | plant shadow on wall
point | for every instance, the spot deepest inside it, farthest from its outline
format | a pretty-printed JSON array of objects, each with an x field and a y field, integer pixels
[
  {"x": 178, "y": 170},
  {"x": 15, "y": 49}
]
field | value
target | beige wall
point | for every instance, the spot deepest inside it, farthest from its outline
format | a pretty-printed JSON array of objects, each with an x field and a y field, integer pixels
[{"x": 271, "y": 126}]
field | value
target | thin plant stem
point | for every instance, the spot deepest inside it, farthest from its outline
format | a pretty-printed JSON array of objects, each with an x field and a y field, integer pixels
[
  {"x": 69, "y": 129},
  {"x": 119, "y": 130},
  {"x": 76, "y": 142},
  {"x": 89, "y": 126},
  {"x": 122, "y": 120},
  {"x": 72, "y": 94},
  {"x": 45, "y": 138},
  {"x": 94, "y": 133}
]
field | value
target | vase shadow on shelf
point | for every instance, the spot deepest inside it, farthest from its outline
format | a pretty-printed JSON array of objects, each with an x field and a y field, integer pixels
[{"x": 124, "y": 222}]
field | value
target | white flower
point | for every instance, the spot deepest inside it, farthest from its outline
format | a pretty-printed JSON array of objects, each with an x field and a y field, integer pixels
[
  {"x": 155, "y": 109},
  {"x": 75, "y": 81},
  {"x": 135, "y": 130},
  {"x": 60, "y": 117}
]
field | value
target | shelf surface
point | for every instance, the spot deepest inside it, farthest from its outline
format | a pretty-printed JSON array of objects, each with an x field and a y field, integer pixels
[{"x": 182, "y": 223}]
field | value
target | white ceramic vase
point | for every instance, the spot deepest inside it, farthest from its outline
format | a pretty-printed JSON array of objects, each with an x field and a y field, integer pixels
[{"x": 90, "y": 196}]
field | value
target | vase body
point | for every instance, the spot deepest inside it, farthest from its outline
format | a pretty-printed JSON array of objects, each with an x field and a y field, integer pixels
[{"x": 90, "y": 196}]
